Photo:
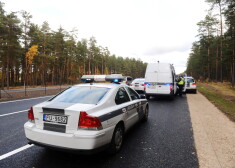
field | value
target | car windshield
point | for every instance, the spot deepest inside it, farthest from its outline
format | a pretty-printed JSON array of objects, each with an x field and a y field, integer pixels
[{"x": 82, "y": 94}]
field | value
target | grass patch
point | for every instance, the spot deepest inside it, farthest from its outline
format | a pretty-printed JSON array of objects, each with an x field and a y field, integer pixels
[{"x": 226, "y": 106}]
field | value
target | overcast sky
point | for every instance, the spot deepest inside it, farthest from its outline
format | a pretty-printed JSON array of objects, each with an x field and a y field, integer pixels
[{"x": 149, "y": 30}]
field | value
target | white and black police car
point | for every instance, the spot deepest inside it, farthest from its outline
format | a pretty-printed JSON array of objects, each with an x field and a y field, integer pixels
[{"x": 87, "y": 117}]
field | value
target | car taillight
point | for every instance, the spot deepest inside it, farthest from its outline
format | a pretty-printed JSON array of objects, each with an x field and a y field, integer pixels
[
  {"x": 171, "y": 87},
  {"x": 131, "y": 84},
  {"x": 143, "y": 84},
  {"x": 30, "y": 114},
  {"x": 193, "y": 83},
  {"x": 88, "y": 121}
]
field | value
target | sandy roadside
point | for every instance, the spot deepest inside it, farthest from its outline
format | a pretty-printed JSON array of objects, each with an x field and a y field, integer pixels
[{"x": 214, "y": 133}]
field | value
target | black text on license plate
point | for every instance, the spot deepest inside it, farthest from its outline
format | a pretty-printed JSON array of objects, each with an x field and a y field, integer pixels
[{"x": 55, "y": 119}]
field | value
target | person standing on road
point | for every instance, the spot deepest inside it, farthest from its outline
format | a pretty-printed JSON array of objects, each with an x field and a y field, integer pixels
[{"x": 181, "y": 85}]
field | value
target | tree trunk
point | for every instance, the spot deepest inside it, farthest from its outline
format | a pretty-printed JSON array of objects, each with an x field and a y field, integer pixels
[
  {"x": 216, "y": 63},
  {"x": 221, "y": 44}
]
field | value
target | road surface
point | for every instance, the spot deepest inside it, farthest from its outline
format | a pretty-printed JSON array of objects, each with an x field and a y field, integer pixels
[{"x": 166, "y": 140}]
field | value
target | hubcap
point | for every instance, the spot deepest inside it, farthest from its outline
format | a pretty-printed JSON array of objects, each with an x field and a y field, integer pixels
[{"x": 118, "y": 138}]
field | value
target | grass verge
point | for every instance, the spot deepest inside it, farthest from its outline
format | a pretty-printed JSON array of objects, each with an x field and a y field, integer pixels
[{"x": 226, "y": 106}]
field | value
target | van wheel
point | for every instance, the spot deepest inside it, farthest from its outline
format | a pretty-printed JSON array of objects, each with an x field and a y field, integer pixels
[{"x": 117, "y": 139}]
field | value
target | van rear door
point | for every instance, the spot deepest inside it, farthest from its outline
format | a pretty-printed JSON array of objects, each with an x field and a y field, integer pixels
[{"x": 164, "y": 85}]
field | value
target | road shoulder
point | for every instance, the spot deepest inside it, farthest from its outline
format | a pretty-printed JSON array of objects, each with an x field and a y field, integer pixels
[{"x": 213, "y": 133}]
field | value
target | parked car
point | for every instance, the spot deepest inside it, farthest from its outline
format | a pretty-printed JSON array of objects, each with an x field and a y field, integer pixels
[
  {"x": 138, "y": 85},
  {"x": 86, "y": 117},
  {"x": 190, "y": 84},
  {"x": 127, "y": 80}
]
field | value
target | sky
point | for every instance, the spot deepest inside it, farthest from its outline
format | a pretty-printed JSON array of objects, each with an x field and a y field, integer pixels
[{"x": 149, "y": 30}]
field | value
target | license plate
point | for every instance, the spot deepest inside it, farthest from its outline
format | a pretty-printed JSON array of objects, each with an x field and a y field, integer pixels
[
  {"x": 136, "y": 85},
  {"x": 55, "y": 118}
]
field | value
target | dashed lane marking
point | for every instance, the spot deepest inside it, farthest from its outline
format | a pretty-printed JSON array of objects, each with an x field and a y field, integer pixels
[
  {"x": 25, "y": 99},
  {"x": 15, "y": 151},
  {"x": 13, "y": 113}
]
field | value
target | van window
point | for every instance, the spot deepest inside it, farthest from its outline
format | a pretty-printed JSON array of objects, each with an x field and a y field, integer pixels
[{"x": 121, "y": 96}]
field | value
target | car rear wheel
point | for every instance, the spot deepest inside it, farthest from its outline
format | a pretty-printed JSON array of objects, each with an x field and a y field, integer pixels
[
  {"x": 195, "y": 91},
  {"x": 117, "y": 139}
]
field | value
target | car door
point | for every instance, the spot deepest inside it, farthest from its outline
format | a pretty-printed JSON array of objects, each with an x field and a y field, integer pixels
[
  {"x": 138, "y": 111},
  {"x": 124, "y": 103}
]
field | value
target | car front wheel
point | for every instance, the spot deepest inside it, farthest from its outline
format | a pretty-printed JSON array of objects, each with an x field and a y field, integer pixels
[
  {"x": 146, "y": 114},
  {"x": 147, "y": 97}
]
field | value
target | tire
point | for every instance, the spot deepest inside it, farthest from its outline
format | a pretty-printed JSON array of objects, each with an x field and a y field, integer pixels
[
  {"x": 147, "y": 97},
  {"x": 146, "y": 114},
  {"x": 195, "y": 91},
  {"x": 117, "y": 140}
]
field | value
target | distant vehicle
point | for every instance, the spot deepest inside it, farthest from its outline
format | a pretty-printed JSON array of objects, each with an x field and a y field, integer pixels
[
  {"x": 190, "y": 84},
  {"x": 160, "y": 79},
  {"x": 127, "y": 80},
  {"x": 138, "y": 85},
  {"x": 87, "y": 117}
]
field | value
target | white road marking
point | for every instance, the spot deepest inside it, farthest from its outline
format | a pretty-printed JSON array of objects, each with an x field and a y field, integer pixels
[
  {"x": 15, "y": 151},
  {"x": 13, "y": 113},
  {"x": 25, "y": 99}
]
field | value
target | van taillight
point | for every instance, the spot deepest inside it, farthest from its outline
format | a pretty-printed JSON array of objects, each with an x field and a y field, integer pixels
[
  {"x": 171, "y": 87},
  {"x": 30, "y": 114},
  {"x": 88, "y": 121}
]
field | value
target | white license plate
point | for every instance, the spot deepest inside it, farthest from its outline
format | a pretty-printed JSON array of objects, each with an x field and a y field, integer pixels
[{"x": 55, "y": 118}]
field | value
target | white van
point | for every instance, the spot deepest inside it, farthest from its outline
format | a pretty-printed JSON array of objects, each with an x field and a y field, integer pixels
[{"x": 160, "y": 79}]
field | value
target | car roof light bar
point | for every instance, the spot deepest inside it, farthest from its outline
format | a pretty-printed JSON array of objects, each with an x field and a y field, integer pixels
[{"x": 116, "y": 78}]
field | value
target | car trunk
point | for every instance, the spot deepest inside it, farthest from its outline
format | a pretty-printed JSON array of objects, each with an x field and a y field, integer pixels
[{"x": 59, "y": 117}]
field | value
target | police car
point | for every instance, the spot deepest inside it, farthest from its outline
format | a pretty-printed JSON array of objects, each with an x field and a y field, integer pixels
[{"x": 87, "y": 117}]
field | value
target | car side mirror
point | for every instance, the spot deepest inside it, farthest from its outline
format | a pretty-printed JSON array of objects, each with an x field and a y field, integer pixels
[{"x": 142, "y": 96}]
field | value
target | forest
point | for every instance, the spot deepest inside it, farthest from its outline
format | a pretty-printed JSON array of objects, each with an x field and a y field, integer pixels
[
  {"x": 212, "y": 57},
  {"x": 32, "y": 54}
]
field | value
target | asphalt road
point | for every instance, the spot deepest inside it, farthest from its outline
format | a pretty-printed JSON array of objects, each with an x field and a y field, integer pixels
[{"x": 166, "y": 140}]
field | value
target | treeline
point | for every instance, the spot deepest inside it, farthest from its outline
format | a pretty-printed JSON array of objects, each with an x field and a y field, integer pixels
[
  {"x": 36, "y": 55},
  {"x": 213, "y": 56}
]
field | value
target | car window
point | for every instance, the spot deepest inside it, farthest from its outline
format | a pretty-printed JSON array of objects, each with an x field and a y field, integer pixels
[
  {"x": 81, "y": 94},
  {"x": 121, "y": 96},
  {"x": 133, "y": 94},
  {"x": 190, "y": 80}
]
